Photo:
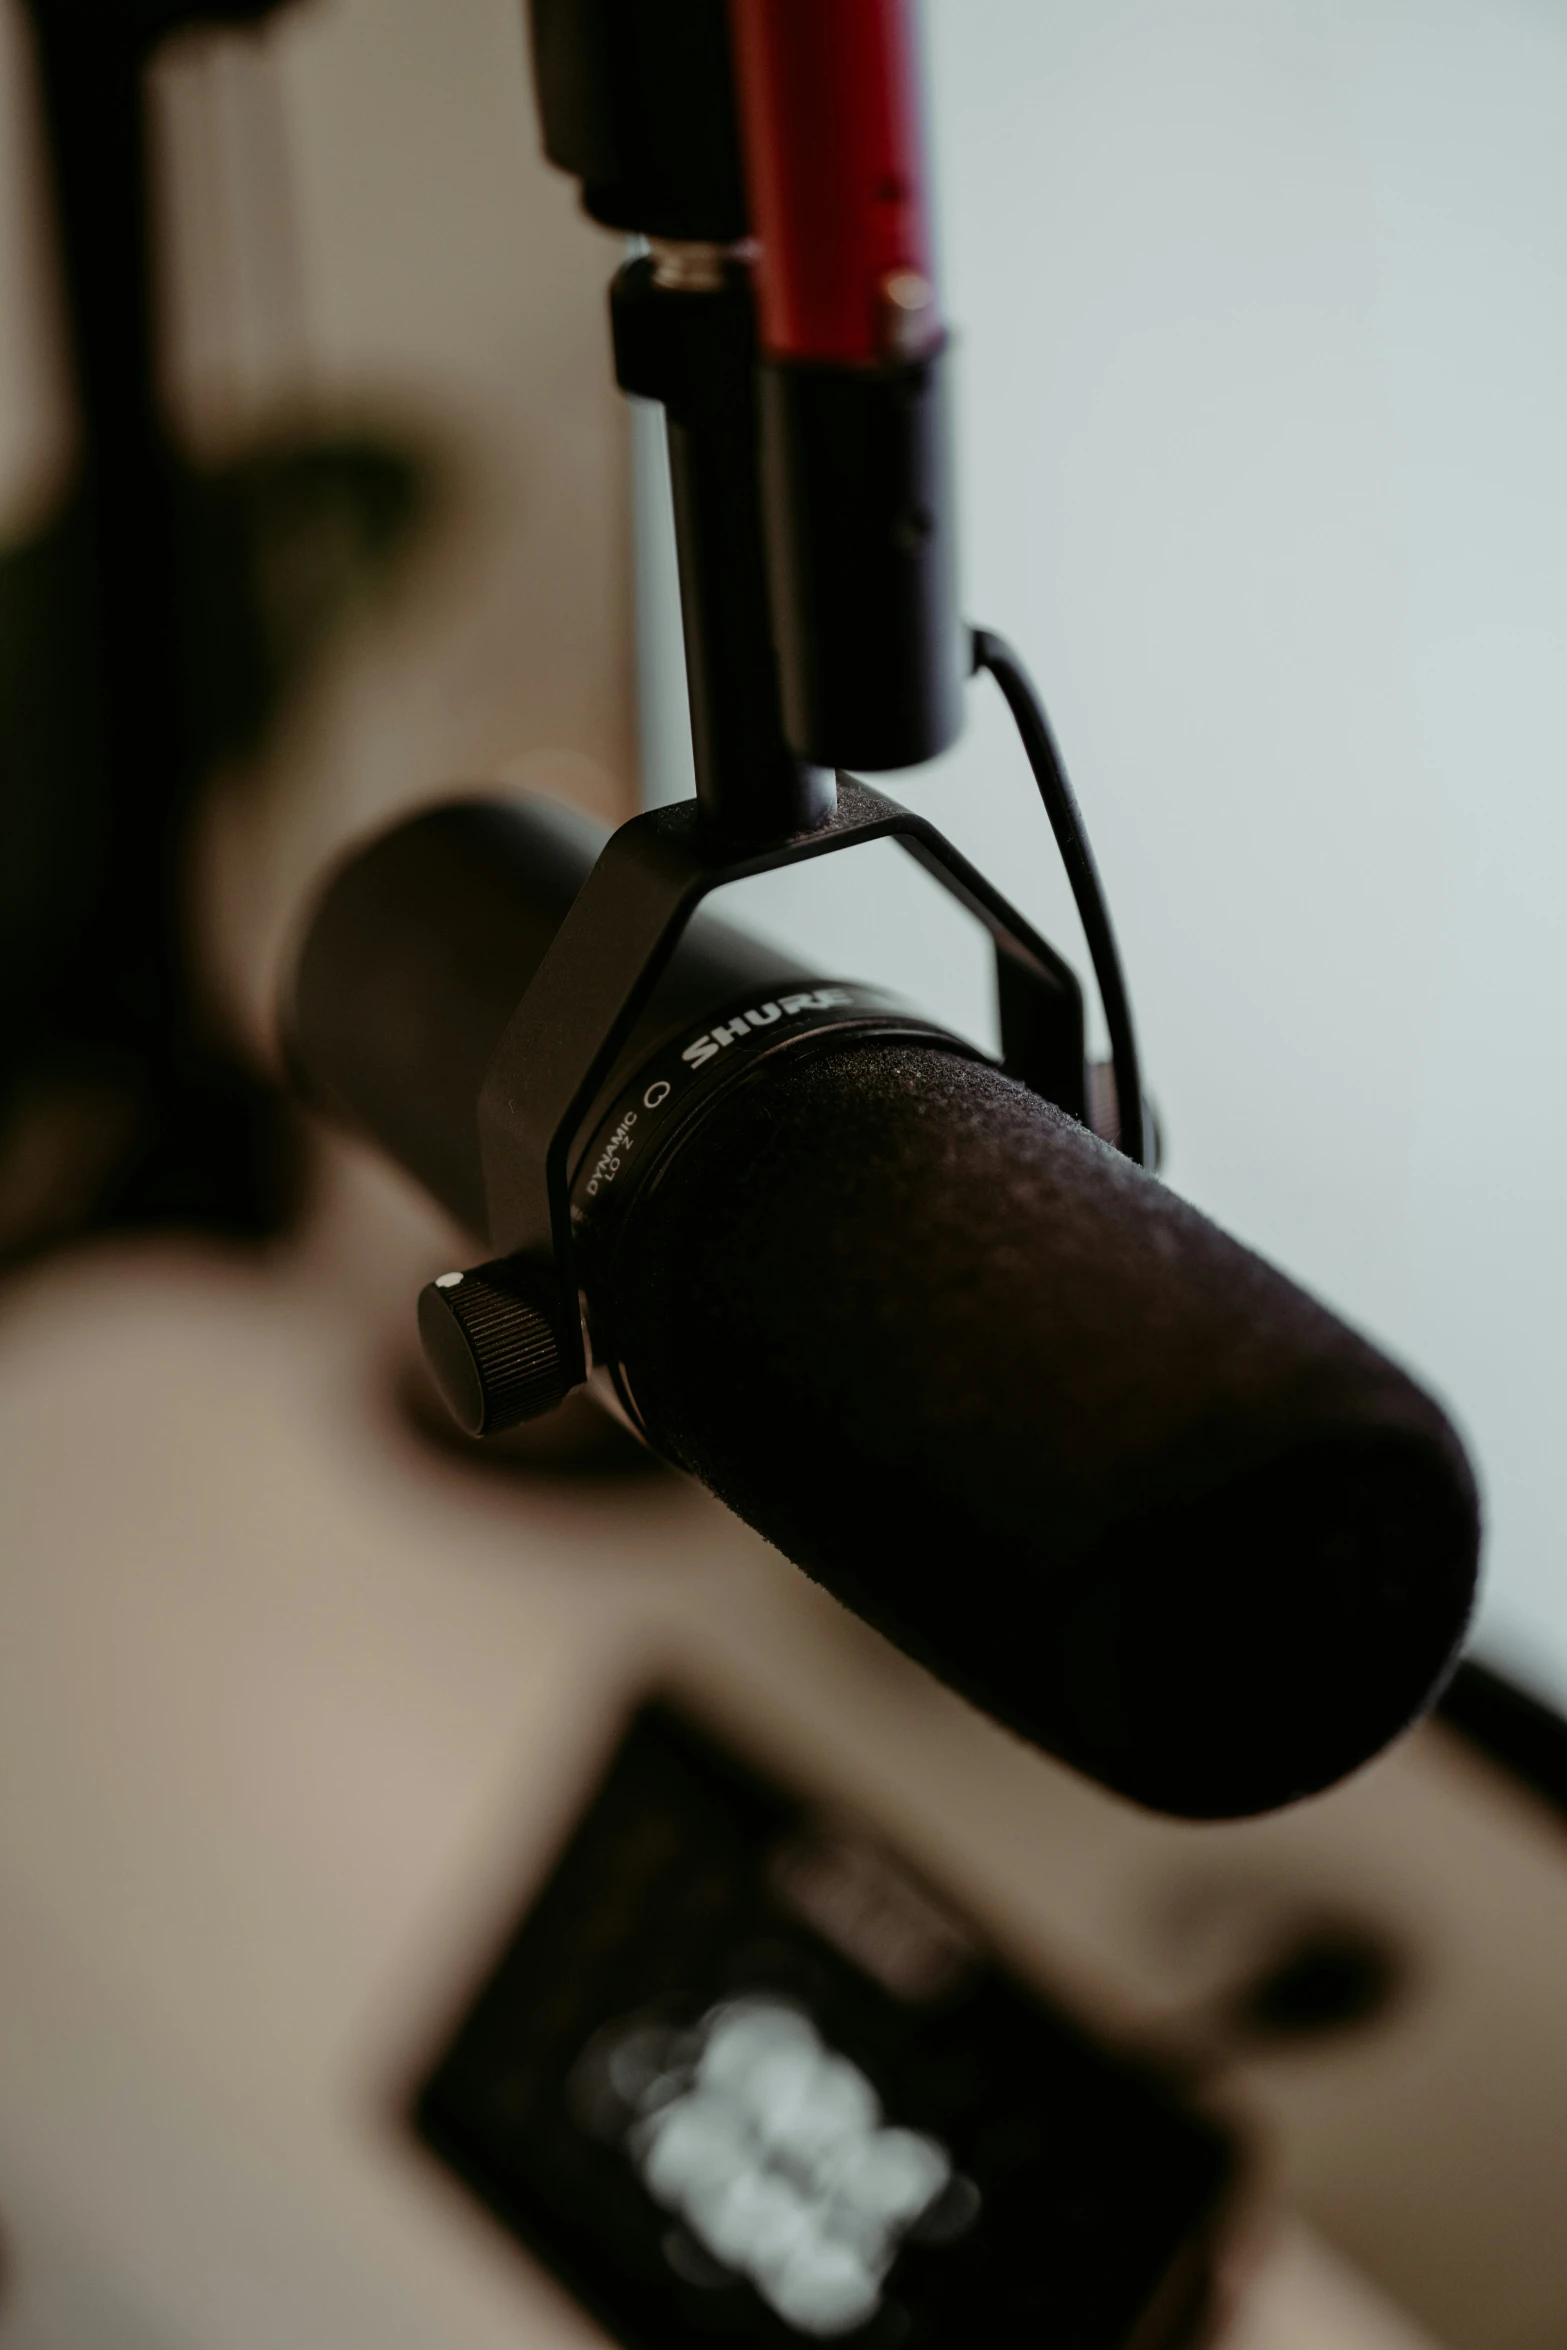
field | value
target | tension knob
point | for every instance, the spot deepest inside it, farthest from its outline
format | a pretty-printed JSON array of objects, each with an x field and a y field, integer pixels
[{"x": 492, "y": 1346}]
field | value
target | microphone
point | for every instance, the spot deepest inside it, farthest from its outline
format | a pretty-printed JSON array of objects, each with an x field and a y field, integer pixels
[{"x": 1081, "y": 1454}]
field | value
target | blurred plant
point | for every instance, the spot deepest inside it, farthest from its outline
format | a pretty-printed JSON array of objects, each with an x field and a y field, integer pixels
[
  {"x": 106, "y": 1119},
  {"x": 157, "y": 624},
  {"x": 284, "y": 546}
]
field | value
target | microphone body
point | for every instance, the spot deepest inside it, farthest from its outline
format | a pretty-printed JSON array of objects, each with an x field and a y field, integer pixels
[{"x": 1011, "y": 1400}]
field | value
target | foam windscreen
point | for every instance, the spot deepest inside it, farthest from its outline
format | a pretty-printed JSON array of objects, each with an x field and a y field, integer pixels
[{"x": 1044, "y": 1424}]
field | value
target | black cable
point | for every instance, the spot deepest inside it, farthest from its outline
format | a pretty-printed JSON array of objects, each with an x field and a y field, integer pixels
[{"x": 1066, "y": 822}]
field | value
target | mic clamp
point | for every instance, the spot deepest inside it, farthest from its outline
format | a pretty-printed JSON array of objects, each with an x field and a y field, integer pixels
[
  {"x": 506, "y": 1341},
  {"x": 487, "y": 1338}
]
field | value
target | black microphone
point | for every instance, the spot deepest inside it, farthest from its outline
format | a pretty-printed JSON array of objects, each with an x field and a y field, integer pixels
[{"x": 1088, "y": 1459}]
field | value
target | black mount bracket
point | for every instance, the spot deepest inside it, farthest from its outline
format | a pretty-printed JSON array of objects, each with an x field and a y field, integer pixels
[
  {"x": 584, "y": 1000},
  {"x": 506, "y": 1341}
]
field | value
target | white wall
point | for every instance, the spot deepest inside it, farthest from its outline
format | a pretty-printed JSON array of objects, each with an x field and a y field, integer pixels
[{"x": 1263, "y": 310}]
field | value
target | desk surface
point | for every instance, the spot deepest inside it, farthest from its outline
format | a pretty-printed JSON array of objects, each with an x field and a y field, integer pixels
[{"x": 292, "y": 1705}]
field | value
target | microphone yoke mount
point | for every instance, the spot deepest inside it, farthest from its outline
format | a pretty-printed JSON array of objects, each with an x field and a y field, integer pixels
[{"x": 505, "y": 1341}]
